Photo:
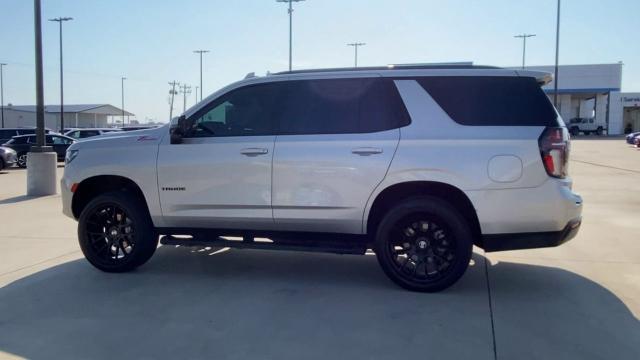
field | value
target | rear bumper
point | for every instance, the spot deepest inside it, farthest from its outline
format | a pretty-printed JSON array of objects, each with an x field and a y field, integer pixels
[{"x": 533, "y": 240}]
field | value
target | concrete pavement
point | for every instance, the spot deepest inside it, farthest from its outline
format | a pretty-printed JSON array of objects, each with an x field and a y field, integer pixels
[{"x": 577, "y": 301}]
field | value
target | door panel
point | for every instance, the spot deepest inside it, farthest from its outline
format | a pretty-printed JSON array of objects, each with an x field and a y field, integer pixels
[
  {"x": 322, "y": 182},
  {"x": 213, "y": 182}
]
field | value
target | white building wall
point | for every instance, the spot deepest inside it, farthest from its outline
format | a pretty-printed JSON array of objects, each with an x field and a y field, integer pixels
[{"x": 14, "y": 118}]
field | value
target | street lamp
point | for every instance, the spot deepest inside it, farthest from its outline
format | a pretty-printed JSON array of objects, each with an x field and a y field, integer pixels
[
  {"x": 355, "y": 46},
  {"x": 200, "y": 52},
  {"x": 290, "y": 28},
  {"x": 60, "y": 20},
  {"x": 555, "y": 78},
  {"x": 122, "y": 79},
  {"x": 2, "y": 94},
  {"x": 524, "y": 44}
]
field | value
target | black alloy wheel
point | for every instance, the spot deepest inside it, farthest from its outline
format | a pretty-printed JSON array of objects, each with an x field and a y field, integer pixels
[
  {"x": 424, "y": 244},
  {"x": 115, "y": 233}
]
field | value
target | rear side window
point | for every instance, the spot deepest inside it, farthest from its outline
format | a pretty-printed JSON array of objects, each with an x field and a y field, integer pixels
[
  {"x": 341, "y": 106},
  {"x": 491, "y": 100},
  {"x": 7, "y": 134}
]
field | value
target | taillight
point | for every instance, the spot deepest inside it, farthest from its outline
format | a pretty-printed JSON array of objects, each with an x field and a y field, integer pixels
[{"x": 554, "y": 149}]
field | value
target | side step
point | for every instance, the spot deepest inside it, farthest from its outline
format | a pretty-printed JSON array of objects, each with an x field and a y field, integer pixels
[{"x": 335, "y": 247}]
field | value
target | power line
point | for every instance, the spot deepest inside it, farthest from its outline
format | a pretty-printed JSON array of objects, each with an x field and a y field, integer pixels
[
  {"x": 173, "y": 93},
  {"x": 185, "y": 90},
  {"x": 356, "y": 45}
]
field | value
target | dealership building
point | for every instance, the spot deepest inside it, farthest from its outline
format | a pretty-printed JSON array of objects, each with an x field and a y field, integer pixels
[
  {"x": 593, "y": 92},
  {"x": 89, "y": 115}
]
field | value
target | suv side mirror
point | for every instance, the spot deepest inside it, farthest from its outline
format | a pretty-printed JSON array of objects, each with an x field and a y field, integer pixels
[{"x": 180, "y": 130}]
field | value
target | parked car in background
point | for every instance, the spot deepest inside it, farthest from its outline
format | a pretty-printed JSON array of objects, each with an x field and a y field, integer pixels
[
  {"x": 7, "y": 133},
  {"x": 132, "y": 128},
  {"x": 88, "y": 132},
  {"x": 585, "y": 125},
  {"x": 22, "y": 144},
  {"x": 631, "y": 138},
  {"x": 8, "y": 157}
]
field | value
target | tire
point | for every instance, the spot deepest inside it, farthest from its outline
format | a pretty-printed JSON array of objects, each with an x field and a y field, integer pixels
[
  {"x": 1, "y": 164},
  {"x": 116, "y": 233},
  {"x": 599, "y": 131},
  {"x": 22, "y": 160},
  {"x": 574, "y": 131},
  {"x": 419, "y": 257}
]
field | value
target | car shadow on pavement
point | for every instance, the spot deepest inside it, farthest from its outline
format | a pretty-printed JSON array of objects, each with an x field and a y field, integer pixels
[{"x": 247, "y": 304}]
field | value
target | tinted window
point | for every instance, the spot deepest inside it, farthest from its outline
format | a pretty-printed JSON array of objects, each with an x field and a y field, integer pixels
[
  {"x": 74, "y": 134},
  {"x": 7, "y": 134},
  {"x": 247, "y": 111},
  {"x": 489, "y": 100},
  {"x": 340, "y": 106},
  {"x": 89, "y": 133},
  {"x": 26, "y": 131},
  {"x": 58, "y": 140}
]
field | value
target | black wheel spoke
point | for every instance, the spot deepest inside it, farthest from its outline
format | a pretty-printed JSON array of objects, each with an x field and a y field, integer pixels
[{"x": 426, "y": 246}]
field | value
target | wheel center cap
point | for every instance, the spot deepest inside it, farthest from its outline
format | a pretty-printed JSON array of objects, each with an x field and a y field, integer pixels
[
  {"x": 422, "y": 244},
  {"x": 113, "y": 232}
]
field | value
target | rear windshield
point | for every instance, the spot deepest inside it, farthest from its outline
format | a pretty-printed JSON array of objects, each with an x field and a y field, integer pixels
[{"x": 491, "y": 100}]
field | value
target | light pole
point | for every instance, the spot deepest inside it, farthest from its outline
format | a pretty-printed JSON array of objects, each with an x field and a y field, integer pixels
[
  {"x": 555, "y": 78},
  {"x": 122, "y": 79},
  {"x": 197, "y": 94},
  {"x": 355, "y": 46},
  {"x": 290, "y": 28},
  {"x": 2, "y": 94},
  {"x": 200, "y": 52},
  {"x": 60, "y": 20},
  {"x": 524, "y": 44}
]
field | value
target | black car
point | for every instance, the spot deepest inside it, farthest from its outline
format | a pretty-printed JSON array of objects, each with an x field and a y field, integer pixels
[
  {"x": 7, "y": 133},
  {"x": 22, "y": 145},
  {"x": 631, "y": 138}
]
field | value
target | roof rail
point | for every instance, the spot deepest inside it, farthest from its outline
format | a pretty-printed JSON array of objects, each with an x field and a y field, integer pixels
[{"x": 442, "y": 66}]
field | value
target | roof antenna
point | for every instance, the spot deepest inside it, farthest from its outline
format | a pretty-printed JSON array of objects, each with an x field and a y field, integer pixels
[{"x": 250, "y": 75}]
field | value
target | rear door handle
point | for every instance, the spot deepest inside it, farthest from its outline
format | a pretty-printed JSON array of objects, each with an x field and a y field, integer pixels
[
  {"x": 254, "y": 151},
  {"x": 366, "y": 151}
]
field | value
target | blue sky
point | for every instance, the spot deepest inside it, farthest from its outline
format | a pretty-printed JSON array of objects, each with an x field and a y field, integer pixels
[{"x": 151, "y": 42}]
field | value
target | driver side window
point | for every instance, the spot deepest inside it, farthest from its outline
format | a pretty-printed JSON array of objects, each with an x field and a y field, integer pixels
[{"x": 248, "y": 111}]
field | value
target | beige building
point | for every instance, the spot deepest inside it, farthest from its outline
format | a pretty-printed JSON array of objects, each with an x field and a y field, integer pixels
[{"x": 82, "y": 116}]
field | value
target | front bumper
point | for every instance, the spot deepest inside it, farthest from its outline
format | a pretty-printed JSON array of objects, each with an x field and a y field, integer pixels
[
  {"x": 9, "y": 159},
  {"x": 534, "y": 240},
  {"x": 67, "y": 197}
]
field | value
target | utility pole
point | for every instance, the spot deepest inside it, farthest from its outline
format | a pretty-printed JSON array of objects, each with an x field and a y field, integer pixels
[
  {"x": 122, "y": 79},
  {"x": 355, "y": 46},
  {"x": 524, "y": 45},
  {"x": 185, "y": 89},
  {"x": 555, "y": 78},
  {"x": 290, "y": 28},
  {"x": 172, "y": 92},
  {"x": 200, "y": 52},
  {"x": 2, "y": 94},
  {"x": 60, "y": 20}
]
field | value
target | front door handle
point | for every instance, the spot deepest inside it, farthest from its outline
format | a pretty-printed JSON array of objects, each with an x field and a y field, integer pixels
[
  {"x": 366, "y": 151},
  {"x": 254, "y": 151}
]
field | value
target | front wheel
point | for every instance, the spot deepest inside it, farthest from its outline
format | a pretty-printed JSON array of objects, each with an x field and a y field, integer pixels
[
  {"x": 424, "y": 244},
  {"x": 22, "y": 160},
  {"x": 116, "y": 233}
]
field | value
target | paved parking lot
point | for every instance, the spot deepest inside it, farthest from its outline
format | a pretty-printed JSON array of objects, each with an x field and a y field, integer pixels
[{"x": 578, "y": 301}]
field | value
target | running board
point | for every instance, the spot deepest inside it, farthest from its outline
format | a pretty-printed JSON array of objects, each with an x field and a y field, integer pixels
[{"x": 335, "y": 247}]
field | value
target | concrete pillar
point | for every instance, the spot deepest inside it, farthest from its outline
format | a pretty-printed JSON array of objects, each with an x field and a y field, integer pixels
[
  {"x": 41, "y": 173},
  {"x": 616, "y": 114},
  {"x": 565, "y": 107},
  {"x": 601, "y": 110}
]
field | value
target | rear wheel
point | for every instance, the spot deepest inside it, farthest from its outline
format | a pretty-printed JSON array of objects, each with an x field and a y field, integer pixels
[
  {"x": 599, "y": 131},
  {"x": 424, "y": 244},
  {"x": 116, "y": 233}
]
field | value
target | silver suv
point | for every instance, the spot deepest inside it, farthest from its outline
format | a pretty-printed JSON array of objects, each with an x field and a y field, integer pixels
[{"x": 416, "y": 163}]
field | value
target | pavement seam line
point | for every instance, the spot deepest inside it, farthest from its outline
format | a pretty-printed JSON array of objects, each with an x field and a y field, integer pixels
[
  {"x": 606, "y": 166},
  {"x": 39, "y": 263},
  {"x": 493, "y": 328}
]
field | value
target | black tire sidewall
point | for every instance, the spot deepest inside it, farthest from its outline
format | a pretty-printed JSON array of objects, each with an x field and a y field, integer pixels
[
  {"x": 18, "y": 161},
  {"x": 146, "y": 239},
  {"x": 457, "y": 225}
]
